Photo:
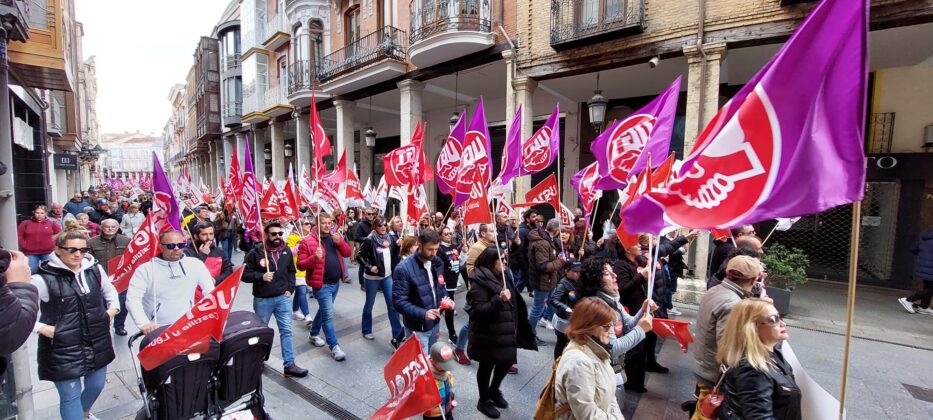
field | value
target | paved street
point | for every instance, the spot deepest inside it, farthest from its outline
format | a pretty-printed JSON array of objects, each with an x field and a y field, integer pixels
[{"x": 355, "y": 388}]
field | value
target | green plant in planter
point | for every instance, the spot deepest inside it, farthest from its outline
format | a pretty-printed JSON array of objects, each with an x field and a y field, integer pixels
[{"x": 786, "y": 267}]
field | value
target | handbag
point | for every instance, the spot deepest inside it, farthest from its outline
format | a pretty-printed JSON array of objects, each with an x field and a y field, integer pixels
[{"x": 709, "y": 405}]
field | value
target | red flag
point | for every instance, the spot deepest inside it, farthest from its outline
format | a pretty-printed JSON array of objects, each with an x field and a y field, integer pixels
[
  {"x": 417, "y": 204},
  {"x": 354, "y": 192},
  {"x": 632, "y": 191},
  {"x": 408, "y": 165},
  {"x": 340, "y": 172},
  {"x": 192, "y": 332},
  {"x": 412, "y": 389},
  {"x": 721, "y": 234},
  {"x": 287, "y": 201},
  {"x": 328, "y": 197},
  {"x": 585, "y": 184},
  {"x": 661, "y": 175},
  {"x": 141, "y": 249},
  {"x": 566, "y": 216},
  {"x": 270, "y": 204},
  {"x": 319, "y": 141},
  {"x": 544, "y": 193},
  {"x": 476, "y": 208},
  {"x": 672, "y": 328}
]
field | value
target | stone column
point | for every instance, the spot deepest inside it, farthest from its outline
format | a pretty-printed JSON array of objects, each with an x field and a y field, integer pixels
[
  {"x": 570, "y": 153},
  {"x": 277, "y": 130},
  {"x": 509, "y": 88},
  {"x": 702, "y": 104},
  {"x": 344, "y": 130},
  {"x": 229, "y": 145},
  {"x": 524, "y": 95},
  {"x": 366, "y": 164},
  {"x": 409, "y": 115},
  {"x": 259, "y": 162},
  {"x": 302, "y": 143}
]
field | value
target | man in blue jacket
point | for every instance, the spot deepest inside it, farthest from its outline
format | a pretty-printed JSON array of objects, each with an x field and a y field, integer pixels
[{"x": 419, "y": 291}]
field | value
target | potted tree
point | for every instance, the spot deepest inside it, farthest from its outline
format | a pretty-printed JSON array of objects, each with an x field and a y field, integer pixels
[{"x": 787, "y": 269}]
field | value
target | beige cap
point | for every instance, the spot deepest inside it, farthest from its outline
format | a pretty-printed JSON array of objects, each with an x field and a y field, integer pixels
[{"x": 744, "y": 267}]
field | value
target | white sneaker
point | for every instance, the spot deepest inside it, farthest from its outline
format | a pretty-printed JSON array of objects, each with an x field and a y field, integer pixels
[
  {"x": 91, "y": 416},
  {"x": 298, "y": 316},
  {"x": 908, "y": 306},
  {"x": 338, "y": 353},
  {"x": 674, "y": 311},
  {"x": 308, "y": 319},
  {"x": 925, "y": 311},
  {"x": 542, "y": 322},
  {"x": 317, "y": 341},
  {"x": 548, "y": 325}
]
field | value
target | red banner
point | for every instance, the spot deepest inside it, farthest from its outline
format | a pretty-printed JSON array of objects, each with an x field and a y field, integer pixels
[
  {"x": 412, "y": 389},
  {"x": 192, "y": 332},
  {"x": 476, "y": 208},
  {"x": 631, "y": 192},
  {"x": 661, "y": 175},
  {"x": 407, "y": 165},
  {"x": 544, "y": 193},
  {"x": 142, "y": 247},
  {"x": 320, "y": 144},
  {"x": 354, "y": 191},
  {"x": 340, "y": 172},
  {"x": 680, "y": 330},
  {"x": 271, "y": 205},
  {"x": 417, "y": 204}
]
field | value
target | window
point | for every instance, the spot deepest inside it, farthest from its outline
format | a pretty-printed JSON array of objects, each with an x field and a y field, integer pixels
[
  {"x": 38, "y": 14},
  {"x": 596, "y": 13},
  {"x": 316, "y": 34},
  {"x": 352, "y": 25},
  {"x": 283, "y": 74}
]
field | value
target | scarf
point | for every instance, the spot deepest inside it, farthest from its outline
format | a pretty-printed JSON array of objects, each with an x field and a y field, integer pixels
[{"x": 380, "y": 239}]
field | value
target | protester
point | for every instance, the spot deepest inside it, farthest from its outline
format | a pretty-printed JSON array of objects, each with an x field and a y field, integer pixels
[
  {"x": 56, "y": 214},
  {"x": 132, "y": 220},
  {"x": 723, "y": 248},
  {"x": 203, "y": 247},
  {"x": 363, "y": 228},
  {"x": 323, "y": 259},
  {"x": 562, "y": 301},
  {"x": 919, "y": 302},
  {"x": 408, "y": 246},
  {"x": 674, "y": 267},
  {"x": 270, "y": 267},
  {"x": 497, "y": 329},
  {"x": 76, "y": 205},
  {"x": 632, "y": 279},
  {"x": 77, "y": 304},
  {"x": 439, "y": 222},
  {"x": 104, "y": 247},
  {"x": 19, "y": 303},
  {"x": 377, "y": 256},
  {"x": 747, "y": 245},
  {"x": 451, "y": 258},
  {"x": 353, "y": 219},
  {"x": 544, "y": 262},
  {"x": 92, "y": 229},
  {"x": 519, "y": 263},
  {"x": 223, "y": 231},
  {"x": 441, "y": 361},
  {"x": 418, "y": 289},
  {"x": 486, "y": 239},
  {"x": 741, "y": 274},
  {"x": 103, "y": 211},
  {"x": 584, "y": 384},
  {"x": 162, "y": 290},
  {"x": 36, "y": 237},
  {"x": 759, "y": 382},
  {"x": 395, "y": 227},
  {"x": 300, "y": 307}
]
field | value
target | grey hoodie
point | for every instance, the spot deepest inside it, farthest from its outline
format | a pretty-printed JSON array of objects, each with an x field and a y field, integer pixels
[
  {"x": 110, "y": 293},
  {"x": 162, "y": 292}
]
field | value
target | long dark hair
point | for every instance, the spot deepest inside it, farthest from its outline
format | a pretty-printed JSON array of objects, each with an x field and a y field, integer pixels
[
  {"x": 488, "y": 258},
  {"x": 591, "y": 278}
]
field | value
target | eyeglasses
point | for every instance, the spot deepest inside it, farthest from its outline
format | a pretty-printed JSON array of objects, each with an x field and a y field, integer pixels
[
  {"x": 275, "y": 234},
  {"x": 424, "y": 226},
  {"x": 179, "y": 245},
  {"x": 608, "y": 326},
  {"x": 370, "y": 214},
  {"x": 306, "y": 223},
  {"x": 446, "y": 234},
  {"x": 772, "y": 320},
  {"x": 72, "y": 250}
]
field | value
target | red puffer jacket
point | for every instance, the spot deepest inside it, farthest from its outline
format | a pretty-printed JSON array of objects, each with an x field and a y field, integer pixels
[{"x": 314, "y": 266}]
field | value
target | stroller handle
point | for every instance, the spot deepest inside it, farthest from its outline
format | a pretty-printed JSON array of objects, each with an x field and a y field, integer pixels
[{"x": 133, "y": 339}]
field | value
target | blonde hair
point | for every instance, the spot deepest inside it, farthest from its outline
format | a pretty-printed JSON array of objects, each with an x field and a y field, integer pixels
[
  {"x": 71, "y": 231},
  {"x": 740, "y": 339}
]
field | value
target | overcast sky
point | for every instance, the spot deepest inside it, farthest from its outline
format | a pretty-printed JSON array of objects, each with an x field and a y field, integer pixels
[{"x": 142, "y": 49}]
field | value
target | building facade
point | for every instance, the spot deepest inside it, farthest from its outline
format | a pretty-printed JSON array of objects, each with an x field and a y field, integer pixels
[{"x": 129, "y": 155}]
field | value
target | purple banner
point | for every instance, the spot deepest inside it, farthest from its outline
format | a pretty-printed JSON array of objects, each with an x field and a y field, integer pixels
[
  {"x": 540, "y": 150},
  {"x": 163, "y": 198},
  {"x": 512, "y": 153}
]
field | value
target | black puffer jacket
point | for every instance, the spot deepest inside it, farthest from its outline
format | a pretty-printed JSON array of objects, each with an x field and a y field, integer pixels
[
  {"x": 753, "y": 394},
  {"x": 924, "y": 252},
  {"x": 497, "y": 329},
  {"x": 19, "y": 306},
  {"x": 368, "y": 257},
  {"x": 216, "y": 262},
  {"x": 284, "y": 278},
  {"x": 81, "y": 342}
]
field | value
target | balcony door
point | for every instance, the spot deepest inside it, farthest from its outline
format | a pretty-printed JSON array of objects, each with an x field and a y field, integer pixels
[
  {"x": 593, "y": 15},
  {"x": 352, "y": 31}
]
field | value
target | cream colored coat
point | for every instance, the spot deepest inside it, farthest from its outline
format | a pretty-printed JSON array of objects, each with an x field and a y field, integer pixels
[{"x": 586, "y": 380}]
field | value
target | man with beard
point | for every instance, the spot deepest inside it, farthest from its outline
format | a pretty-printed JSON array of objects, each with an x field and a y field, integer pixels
[
  {"x": 519, "y": 261},
  {"x": 205, "y": 249},
  {"x": 363, "y": 229},
  {"x": 270, "y": 267},
  {"x": 104, "y": 247}
]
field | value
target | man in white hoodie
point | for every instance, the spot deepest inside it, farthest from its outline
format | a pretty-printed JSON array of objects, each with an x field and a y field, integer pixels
[{"x": 162, "y": 290}]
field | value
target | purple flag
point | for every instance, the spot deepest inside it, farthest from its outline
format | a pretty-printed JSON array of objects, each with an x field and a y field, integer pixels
[
  {"x": 620, "y": 149},
  {"x": 163, "y": 198},
  {"x": 249, "y": 201},
  {"x": 540, "y": 151},
  {"x": 790, "y": 143},
  {"x": 512, "y": 153},
  {"x": 475, "y": 157},
  {"x": 447, "y": 168}
]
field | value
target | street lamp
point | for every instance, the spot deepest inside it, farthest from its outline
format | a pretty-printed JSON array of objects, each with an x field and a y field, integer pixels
[
  {"x": 453, "y": 120},
  {"x": 597, "y": 107},
  {"x": 267, "y": 153},
  {"x": 370, "y": 134},
  {"x": 289, "y": 150}
]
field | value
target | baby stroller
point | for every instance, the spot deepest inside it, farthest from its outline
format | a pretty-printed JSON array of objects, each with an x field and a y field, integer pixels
[
  {"x": 179, "y": 388},
  {"x": 213, "y": 384}
]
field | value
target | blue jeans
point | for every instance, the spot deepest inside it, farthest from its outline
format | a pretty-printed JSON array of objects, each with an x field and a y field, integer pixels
[
  {"x": 34, "y": 261},
  {"x": 74, "y": 401},
  {"x": 325, "y": 313},
  {"x": 518, "y": 279},
  {"x": 300, "y": 300},
  {"x": 464, "y": 336},
  {"x": 427, "y": 338},
  {"x": 372, "y": 289},
  {"x": 119, "y": 321},
  {"x": 540, "y": 309},
  {"x": 281, "y": 307},
  {"x": 227, "y": 245}
]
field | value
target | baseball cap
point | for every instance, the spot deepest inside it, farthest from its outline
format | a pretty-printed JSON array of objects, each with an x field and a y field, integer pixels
[
  {"x": 573, "y": 264},
  {"x": 442, "y": 353},
  {"x": 101, "y": 202},
  {"x": 744, "y": 267}
]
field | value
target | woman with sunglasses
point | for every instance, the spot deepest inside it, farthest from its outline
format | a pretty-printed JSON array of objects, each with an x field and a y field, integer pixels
[
  {"x": 378, "y": 256},
  {"x": 300, "y": 301},
  {"x": 759, "y": 383},
  {"x": 77, "y": 304},
  {"x": 584, "y": 383}
]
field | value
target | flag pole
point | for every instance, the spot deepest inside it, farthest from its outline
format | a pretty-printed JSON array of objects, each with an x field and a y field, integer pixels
[
  {"x": 499, "y": 251},
  {"x": 850, "y": 304}
]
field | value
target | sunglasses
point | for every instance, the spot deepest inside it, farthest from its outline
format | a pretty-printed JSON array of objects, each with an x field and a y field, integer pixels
[
  {"x": 446, "y": 234},
  {"x": 179, "y": 245},
  {"x": 772, "y": 320},
  {"x": 275, "y": 234},
  {"x": 608, "y": 326},
  {"x": 306, "y": 223},
  {"x": 424, "y": 226},
  {"x": 72, "y": 250},
  {"x": 370, "y": 214}
]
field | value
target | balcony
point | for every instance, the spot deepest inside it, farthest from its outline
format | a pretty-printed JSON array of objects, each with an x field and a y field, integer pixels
[
  {"x": 372, "y": 59},
  {"x": 274, "y": 103},
  {"x": 231, "y": 112},
  {"x": 15, "y": 12},
  {"x": 232, "y": 61},
  {"x": 302, "y": 80},
  {"x": 275, "y": 33},
  {"x": 583, "y": 22},
  {"x": 442, "y": 30}
]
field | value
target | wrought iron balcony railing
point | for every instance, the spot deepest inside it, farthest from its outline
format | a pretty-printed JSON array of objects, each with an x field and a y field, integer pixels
[
  {"x": 386, "y": 43},
  {"x": 232, "y": 109},
  {"x": 577, "y": 21},
  {"x": 437, "y": 16},
  {"x": 302, "y": 75},
  {"x": 232, "y": 61}
]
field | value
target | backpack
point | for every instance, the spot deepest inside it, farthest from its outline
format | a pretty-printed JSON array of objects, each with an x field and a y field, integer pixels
[{"x": 544, "y": 409}]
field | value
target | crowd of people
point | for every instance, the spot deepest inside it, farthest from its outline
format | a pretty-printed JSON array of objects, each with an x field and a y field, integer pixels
[{"x": 592, "y": 295}]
